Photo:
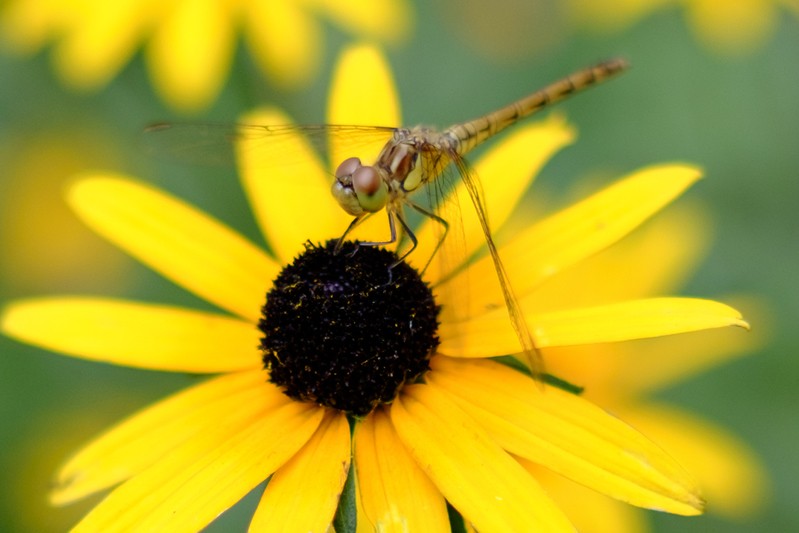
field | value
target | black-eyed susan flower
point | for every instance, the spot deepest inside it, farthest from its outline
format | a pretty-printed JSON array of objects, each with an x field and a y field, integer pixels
[
  {"x": 732, "y": 28},
  {"x": 189, "y": 44},
  {"x": 329, "y": 368}
]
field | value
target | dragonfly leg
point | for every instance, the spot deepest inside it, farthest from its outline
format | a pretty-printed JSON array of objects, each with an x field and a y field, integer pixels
[
  {"x": 432, "y": 216},
  {"x": 354, "y": 224},
  {"x": 405, "y": 229},
  {"x": 392, "y": 228},
  {"x": 414, "y": 241}
]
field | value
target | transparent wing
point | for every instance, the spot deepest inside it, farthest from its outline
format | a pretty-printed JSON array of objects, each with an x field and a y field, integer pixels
[
  {"x": 530, "y": 351},
  {"x": 215, "y": 143},
  {"x": 283, "y": 168},
  {"x": 455, "y": 194}
]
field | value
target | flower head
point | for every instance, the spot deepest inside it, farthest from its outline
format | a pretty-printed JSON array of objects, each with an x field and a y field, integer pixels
[
  {"x": 189, "y": 45},
  {"x": 453, "y": 425}
]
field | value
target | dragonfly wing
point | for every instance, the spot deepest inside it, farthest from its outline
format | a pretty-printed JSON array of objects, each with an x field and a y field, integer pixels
[
  {"x": 215, "y": 143},
  {"x": 473, "y": 188},
  {"x": 285, "y": 169},
  {"x": 194, "y": 144}
]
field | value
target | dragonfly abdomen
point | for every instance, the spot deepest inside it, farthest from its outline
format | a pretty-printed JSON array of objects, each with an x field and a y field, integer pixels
[{"x": 470, "y": 134}]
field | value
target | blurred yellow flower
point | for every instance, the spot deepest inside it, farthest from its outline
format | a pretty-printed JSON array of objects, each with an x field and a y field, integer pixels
[
  {"x": 44, "y": 247},
  {"x": 727, "y": 27},
  {"x": 461, "y": 430},
  {"x": 190, "y": 44}
]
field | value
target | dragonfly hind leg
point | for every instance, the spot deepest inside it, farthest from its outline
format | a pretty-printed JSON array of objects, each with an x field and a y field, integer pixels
[
  {"x": 395, "y": 216},
  {"x": 432, "y": 216}
]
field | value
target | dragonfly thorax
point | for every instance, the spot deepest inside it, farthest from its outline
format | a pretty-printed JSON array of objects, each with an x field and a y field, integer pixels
[{"x": 399, "y": 159}]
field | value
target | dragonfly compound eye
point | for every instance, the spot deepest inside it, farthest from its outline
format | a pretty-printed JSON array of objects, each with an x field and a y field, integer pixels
[
  {"x": 342, "y": 188},
  {"x": 370, "y": 188},
  {"x": 346, "y": 169}
]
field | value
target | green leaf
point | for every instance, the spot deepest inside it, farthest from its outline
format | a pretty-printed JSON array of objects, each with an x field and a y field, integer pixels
[
  {"x": 346, "y": 518},
  {"x": 456, "y": 523},
  {"x": 549, "y": 379}
]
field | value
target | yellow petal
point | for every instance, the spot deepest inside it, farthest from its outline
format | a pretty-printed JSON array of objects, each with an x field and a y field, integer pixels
[
  {"x": 576, "y": 233},
  {"x": 505, "y": 173},
  {"x": 636, "y": 319},
  {"x": 491, "y": 334},
  {"x": 190, "y": 486},
  {"x": 488, "y": 336},
  {"x": 198, "y": 413},
  {"x": 385, "y": 20},
  {"x": 27, "y": 26},
  {"x": 670, "y": 360},
  {"x": 362, "y": 93},
  {"x": 134, "y": 334},
  {"x": 190, "y": 53},
  {"x": 395, "y": 495},
  {"x": 733, "y": 28},
  {"x": 284, "y": 40},
  {"x": 102, "y": 40},
  {"x": 657, "y": 258},
  {"x": 731, "y": 475},
  {"x": 485, "y": 484},
  {"x": 590, "y": 511},
  {"x": 567, "y": 434},
  {"x": 288, "y": 186},
  {"x": 178, "y": 241},
  {"x": 303, "y": 493}
]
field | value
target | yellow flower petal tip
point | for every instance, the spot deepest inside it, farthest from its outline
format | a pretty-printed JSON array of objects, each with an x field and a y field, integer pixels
[
  {"x": 9, "y": 319},
  {"x": 15, "y": 320},
  {"x": 355, "y": 99},
  {"x": 734, "y": 317},
  {"x": 84, "y": 187},
  {"x": 694, "y": 506},
  {"x": 689, "y": 172}
]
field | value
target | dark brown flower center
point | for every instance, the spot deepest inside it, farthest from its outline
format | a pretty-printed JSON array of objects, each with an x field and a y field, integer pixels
[{"x": 347, "y": 329}]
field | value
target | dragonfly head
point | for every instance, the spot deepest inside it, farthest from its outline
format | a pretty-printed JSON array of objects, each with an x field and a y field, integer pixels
[{"x": 359, "y": 189}]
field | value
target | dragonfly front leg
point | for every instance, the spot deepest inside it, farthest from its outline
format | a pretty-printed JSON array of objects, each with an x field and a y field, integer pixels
[
  {"x": 354, "y": 224},
  {"x": 392, "y": 226},
  {"x": 357, "y": 222}
]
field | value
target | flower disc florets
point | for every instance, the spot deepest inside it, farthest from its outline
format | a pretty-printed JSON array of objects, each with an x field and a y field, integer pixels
[{"x": 347, "y": 329}]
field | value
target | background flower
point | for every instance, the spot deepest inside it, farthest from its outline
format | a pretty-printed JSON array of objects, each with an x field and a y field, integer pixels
[
  {"x": 738, "y": 119},
  {"x": 190, "y": 44},
  {"x": 734, "y": 28},
  {"x": 46, "y": 253},
  {"x": 518, "y": 29}
]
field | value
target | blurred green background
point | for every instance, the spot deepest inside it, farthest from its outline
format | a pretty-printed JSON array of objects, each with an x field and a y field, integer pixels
[{"x": 737, "y": 116}]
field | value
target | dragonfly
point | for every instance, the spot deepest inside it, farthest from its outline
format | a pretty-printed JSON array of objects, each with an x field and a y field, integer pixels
[{"x": 415, "y": 158}]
